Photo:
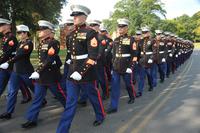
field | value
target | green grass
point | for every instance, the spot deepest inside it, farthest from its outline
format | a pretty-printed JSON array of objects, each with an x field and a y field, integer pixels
[{"x": 197, "y": 45}]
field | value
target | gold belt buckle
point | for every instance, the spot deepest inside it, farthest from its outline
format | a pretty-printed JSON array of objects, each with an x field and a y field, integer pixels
[
  {"x": 74, "y": 57},
  {"x": 119, "y": 55}
]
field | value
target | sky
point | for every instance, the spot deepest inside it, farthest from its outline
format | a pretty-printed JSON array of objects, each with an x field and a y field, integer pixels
[{"x": 101, "y": 9}]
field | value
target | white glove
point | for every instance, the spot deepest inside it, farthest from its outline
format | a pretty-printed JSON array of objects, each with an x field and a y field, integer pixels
[
  {"x": 76, "y": 76},
  {"x": 179, "y": 53},
  {"x": 170, "y": 55},
  {"x": 150, "y": 61},
  {"x": 34, "y": 75},
  {"x": 163, "y": 60},
  {"x": 68, "y": 61},
  {"x": 128, "y": 70},
  {"x": 4, "y": 65},
  {"x": 176, "y": 56}
]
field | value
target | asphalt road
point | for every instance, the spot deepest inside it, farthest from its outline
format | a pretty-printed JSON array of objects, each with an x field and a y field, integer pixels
[{"x": 173, "y": 107}]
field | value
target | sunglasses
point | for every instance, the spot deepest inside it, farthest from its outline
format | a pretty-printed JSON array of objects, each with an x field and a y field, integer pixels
[
  {"x": 144, "y": 32},
  {"x": 2, "y": 24},
  {"x": 69, "y": 24},
  {"x": 20, "y": 32},
  {"x": 103, "y": 31},
  {"x": 121, "y": 26},
  {"x": 93, "y": 25},
  {"x": 42, "y": 28},
  {"x": 158, "y": 34}
]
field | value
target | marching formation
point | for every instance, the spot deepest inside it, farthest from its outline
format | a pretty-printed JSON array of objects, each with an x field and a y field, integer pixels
[{"x": 93, "y": 67}]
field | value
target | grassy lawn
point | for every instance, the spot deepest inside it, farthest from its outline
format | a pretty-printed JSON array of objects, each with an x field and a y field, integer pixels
[{"x": 197, "y": 45}]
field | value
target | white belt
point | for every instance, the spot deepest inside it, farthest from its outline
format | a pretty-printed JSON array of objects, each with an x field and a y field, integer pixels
[
  {"x": 79, "y": 57},
  {"x": 147, "y": 53},
  {"x": 169, "y": 50},
  {"x": 123, "y": 55},
  {"x": 161, "y": 52},
  {"x": 13, "y": 53}
]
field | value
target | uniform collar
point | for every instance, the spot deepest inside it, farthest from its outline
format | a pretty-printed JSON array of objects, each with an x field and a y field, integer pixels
[
  {"x": 77, "y": 27},
  {"x": 125, "y": 35},
  {"x": 46, "y": 40},
  {"x": 24, "y": 41}
]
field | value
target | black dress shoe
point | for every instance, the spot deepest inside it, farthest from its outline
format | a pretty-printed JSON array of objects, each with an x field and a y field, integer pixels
[
  {"x": 162, "y": 80},
  {"x": 44, "y": 103},
  {"x": 134, "y": 81},
  {"x": 82, "y": 104},
  {"x": 131, "y": 101},
  {"x": 104, "y": 97},
  {"x": 97, "y": 123},
  {"x": 29, "y": 124},
  {"x": 6, "y": 116},
  {"x": 150, "y": 88},
  {"x": 110, "y": 111},
  {"x": 139, "y": 94},
  {"x": 26, "y": 101}
]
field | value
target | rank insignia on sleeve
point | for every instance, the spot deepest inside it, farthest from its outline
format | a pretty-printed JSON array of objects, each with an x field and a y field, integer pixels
[
  {"x": 51, "y": 51},
  {"x": 93, "y": 42},
  {"x": 11, "y": 43},
  {"x": 26, "y": 47},
  {"x": 134, "y": 46}
]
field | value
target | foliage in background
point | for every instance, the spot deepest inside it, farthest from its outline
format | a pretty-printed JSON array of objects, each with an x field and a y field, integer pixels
[
  {"x": 152, "y": 13},
  {"x": 28, "y": 12}
]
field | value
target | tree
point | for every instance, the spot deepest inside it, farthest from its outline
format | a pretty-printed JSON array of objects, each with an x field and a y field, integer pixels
[
  {"x": 30, "y": 11},
  {"x": 139, "y": 12}
]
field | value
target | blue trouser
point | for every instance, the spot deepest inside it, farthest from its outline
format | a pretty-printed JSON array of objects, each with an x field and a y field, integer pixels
[
  {"x": 153, "y": 73},
  {"x": 39, "y": 95},
  {"x": 142, "y": 72},
  {"x": 13, "y": 87},
  {"x": 101, "y": 80},
  {"x": 169, "y": 67},
  {"x": 73, "y": 90},
  {"x": 162, "y": 68},
  {"x": 115, "y": 88},
  {"x": 4, "y": 77}
]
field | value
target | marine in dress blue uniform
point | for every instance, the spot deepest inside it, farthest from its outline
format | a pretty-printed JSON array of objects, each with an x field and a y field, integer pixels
[
  {"x": 160, "y": 54},
  {"x": 47, "y": 75},
  {"x": 145, "y": 61},
  {"x": 83, "y": 52},
  {"x": 124, "y": 58},
  {"x": 19, "y": 74}
]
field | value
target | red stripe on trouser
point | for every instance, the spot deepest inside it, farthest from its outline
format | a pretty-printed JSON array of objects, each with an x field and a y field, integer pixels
[
  {"x": 33, "y": 82},
  {"x": 61, "y": 90},
  {"x": 24, "y": 91},
  {"x": 100, "y": 100},
  {"x": 106, "y": 80},
  {"x": 132, "y": 86}
]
